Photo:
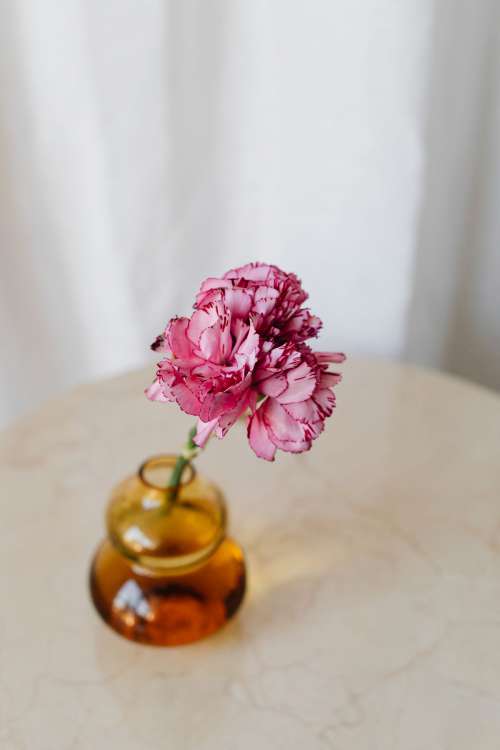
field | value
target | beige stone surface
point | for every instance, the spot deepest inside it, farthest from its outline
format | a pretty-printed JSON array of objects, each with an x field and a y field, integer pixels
[{"x": 373, "y": 615}]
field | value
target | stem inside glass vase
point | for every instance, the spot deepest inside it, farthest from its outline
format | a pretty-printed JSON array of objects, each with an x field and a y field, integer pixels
[{"x": 189, "y": 452}]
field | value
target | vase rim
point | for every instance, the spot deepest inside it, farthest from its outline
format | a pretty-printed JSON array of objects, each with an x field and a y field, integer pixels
[{"x": 164, "y": 460}]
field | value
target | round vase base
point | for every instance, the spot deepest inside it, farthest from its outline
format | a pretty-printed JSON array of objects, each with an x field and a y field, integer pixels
[{"x": 168, "y": 609}]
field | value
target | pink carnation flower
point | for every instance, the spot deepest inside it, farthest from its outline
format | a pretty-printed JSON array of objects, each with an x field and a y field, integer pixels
[{"x": 243, "y": 349}]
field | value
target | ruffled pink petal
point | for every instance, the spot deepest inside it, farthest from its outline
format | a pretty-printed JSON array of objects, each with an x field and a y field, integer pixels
[
  {"x": 247, "y": 351},
  {"x": 314, "y": 429},
  {"x": 186, "y": 399},
  {"x": 302, "y": 325},
  {"x": 203, "y": 369},
  {"x": 215, "y": 404},
  {"x": 199, "y": 322},
  {"x": 325, "y": 399},
  {"x": 203, "y": 432},
  {"x": 265, "y": 300},
  {"x": 211, "y": 290},
  {"x": 176, "y": 337},
  {"x": 259, "y": 439},
  {"x": 243, "y": 386},
  {"x": 281, "y": 423},
  {"x": 329, "y": 379},
  {"x": 283, "y": 358},
  {"x": 274, "y": 386},
  {"x": 213, "y": 283},
  {"x": 252, "y": 401},
  {"x": 303, "y": 411},
  {"x": 210, "y": 345},
  {"x": 226, "y": 421},
  {"x": 239, "y": 302},
  {"x": 262, "y": 373},
  {"x": 158, "y": 391},
  {"x": 325, "y": 358},
  {"x": 214, "y": 342},
  {"x": 301, "y": 382},
  {"x": 290, "y": 446},
  {"x": 263, "y": 293},
  {"x": 205, "y": 299},
  {"x": 224, "y": 327}
]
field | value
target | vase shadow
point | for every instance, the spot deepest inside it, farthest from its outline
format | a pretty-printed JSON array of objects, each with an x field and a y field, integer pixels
[{"x": 365, "y": 552}]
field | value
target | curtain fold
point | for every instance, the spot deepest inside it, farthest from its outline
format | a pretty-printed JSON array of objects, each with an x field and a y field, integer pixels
[{"x": 454, "y": 320}]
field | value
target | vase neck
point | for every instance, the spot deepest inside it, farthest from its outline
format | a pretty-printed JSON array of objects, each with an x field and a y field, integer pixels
[{"x": 162, "y": 535}]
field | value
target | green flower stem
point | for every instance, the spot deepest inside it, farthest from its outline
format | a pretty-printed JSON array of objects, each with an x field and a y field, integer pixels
[{"x": 189, "y": 452}]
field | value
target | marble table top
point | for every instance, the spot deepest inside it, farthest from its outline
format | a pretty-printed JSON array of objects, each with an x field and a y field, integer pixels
[{"x": 372, "y": 620}]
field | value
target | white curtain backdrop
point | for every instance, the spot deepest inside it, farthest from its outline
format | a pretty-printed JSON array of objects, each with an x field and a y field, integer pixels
[{"x": 145, "y": 144}]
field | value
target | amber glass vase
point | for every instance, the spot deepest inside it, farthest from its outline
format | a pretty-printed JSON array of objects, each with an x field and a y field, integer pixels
[{"x": 167, "y": 574}]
